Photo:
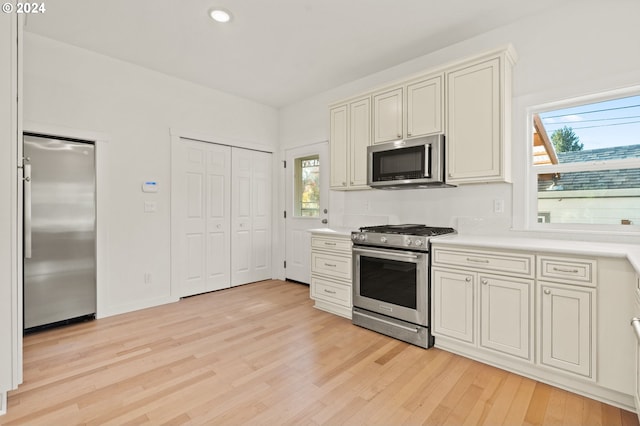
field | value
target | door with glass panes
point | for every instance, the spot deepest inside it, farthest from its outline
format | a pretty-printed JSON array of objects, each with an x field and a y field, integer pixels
[{"x": 307, "y": 193}]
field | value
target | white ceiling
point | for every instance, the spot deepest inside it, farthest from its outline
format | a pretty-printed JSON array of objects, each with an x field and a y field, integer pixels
[{"x": 275, "y": 52}]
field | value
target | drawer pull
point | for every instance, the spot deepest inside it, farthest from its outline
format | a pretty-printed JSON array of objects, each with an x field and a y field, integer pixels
[
  {"x": 566, "y": 271},
  {"x": 635, "y": 323},
  {"x": 327, "y": 243},
  {"x": 329, "y": 291},
  {"x": 471, "y": 259},
  {"x": 330, "y": 265}
]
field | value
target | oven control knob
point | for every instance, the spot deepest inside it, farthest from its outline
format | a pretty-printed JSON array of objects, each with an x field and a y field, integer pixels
[
  {"x": 418, "y": 243},
  {"x": 383, "y": 239},
  {"x": 362, "y": 237},
  {"x": 409, "y": 242},
  {"x": 354, "y": 237}
]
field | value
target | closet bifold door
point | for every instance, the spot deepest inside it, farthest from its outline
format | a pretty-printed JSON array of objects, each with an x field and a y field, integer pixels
[
  {"x": 251, "y": 216},
  {"x": 201, "y": 217}
]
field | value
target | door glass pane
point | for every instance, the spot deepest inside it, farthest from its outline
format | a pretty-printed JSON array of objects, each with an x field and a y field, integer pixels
[{"x": 307, "y": 186}]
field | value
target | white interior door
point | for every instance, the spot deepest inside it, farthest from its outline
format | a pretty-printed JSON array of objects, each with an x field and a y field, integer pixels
[
  {"x": 201, "y": 176},
  {"x": 306, "y": 184},
  {"x": 251, "y": 216}
]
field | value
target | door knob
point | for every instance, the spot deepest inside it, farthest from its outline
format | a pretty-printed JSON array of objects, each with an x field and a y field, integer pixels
[{"x": 325, "y": 221}]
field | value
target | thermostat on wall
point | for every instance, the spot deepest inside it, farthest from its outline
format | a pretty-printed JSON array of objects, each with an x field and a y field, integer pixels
[{"x": 150, "y": 186}]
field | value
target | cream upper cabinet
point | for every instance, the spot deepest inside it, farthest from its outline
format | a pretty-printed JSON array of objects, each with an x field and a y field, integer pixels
[
  {"x": 469, "y": 101},
  {"x": 478, "y": 121},
  {"x": 387, "y": 116},
  {"x": 425, "y": 106},
  {"x": 350, "y": 135},
  {"x": 359, "y": 140},
  {"x": 339, "y": 146}
]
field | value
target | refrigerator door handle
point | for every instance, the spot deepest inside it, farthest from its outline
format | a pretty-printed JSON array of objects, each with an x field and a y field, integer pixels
[{"x": 27, "y": 211}]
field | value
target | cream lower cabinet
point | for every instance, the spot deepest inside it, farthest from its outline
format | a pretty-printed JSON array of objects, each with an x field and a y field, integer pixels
[
  {"x": 506, "y": 322},
  {"x": 452, "y": 301},
  {"x": 331, "y": 271},
  {"x": 567, "y": 328},
  {"x": 635, "y": 323},
  {"x": 503, "y": 322},
  {"x": 484, "y": 299}
]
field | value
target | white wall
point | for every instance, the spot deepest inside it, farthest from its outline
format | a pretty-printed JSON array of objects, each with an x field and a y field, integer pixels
[
  {"x": 585, "y": 47},
  {"x": 134, "y": 108}
]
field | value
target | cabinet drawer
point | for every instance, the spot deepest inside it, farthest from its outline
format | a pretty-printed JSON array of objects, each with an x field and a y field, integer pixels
[
  {"x": 494, "y": 261},
  {"x": 336, "y": 266},
  {"x": 327, "y": 243},
  {"x": 331, "y": 291},
  {"x": 568, "y": 270}
]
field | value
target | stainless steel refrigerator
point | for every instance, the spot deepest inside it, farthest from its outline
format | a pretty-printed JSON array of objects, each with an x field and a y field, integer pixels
[{"x": 59, "y": 231}]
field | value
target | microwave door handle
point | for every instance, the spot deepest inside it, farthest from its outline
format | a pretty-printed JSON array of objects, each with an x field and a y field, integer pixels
[{"x": 428, "y": 160}]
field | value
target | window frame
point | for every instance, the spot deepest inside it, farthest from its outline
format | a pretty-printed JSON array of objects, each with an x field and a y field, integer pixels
[{"x": 532, "y": 171}]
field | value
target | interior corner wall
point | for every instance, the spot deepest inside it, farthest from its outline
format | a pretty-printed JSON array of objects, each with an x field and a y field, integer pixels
[
  {"x": 578, "y": 48},
  {"x": 135, "y": 108}
]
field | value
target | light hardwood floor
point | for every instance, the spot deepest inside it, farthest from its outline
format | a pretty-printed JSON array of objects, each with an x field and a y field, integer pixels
[{"x": 261, "y": 354}]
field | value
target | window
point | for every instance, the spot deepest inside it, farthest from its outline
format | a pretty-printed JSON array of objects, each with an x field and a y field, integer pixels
[
  {"x": 586, "y": 163},
  {"x": 307, "y": 186}
]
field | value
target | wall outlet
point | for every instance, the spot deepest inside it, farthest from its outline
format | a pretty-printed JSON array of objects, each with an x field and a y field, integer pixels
[{"x": 498, "y": 206}]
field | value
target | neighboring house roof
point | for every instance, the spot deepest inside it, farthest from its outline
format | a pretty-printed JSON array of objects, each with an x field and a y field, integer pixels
[{"x": 604, "y": 179}]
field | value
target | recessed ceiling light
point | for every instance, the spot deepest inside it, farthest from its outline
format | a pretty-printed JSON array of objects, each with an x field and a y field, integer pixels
[{"x": 220, "y": 15}]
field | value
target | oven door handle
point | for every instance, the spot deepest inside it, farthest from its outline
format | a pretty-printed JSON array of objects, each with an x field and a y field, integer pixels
[{"x": 385, "y": 253}]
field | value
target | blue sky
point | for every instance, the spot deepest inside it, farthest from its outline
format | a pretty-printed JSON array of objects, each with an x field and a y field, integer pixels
[{"x": 601, "y": 124}]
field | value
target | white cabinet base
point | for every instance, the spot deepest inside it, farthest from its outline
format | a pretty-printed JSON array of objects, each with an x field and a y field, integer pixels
[
  {"x": 333, "y": 308},
  {"x": 527, "y": 369}
]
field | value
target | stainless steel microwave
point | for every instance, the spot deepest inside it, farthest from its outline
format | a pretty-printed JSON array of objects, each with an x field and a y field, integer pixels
[{"x": 413, "y": 163}]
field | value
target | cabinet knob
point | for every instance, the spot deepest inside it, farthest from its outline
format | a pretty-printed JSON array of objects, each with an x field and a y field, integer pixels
[
  {"x": 408, "y": 133},
  {"x": 344, "y": 183},
  {"x": 399, "y": 136},
  {"x": 485, "y": 282},
  {"x": 351, "y": 182},
  {"x": 468, "y": 279},
  {"x": 547, "y": 291}
]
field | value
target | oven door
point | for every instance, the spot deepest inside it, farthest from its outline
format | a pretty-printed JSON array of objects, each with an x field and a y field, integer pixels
[{"x": 391, "y": 282}]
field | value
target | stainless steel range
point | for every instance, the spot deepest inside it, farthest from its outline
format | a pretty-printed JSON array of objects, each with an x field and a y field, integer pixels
[{"x": 391, "y": 283}]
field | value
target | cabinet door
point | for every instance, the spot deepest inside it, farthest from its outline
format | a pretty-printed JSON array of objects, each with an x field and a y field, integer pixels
[
  {"x": 338, "y": 146},
  {"x": 452, "y": 304},
  {"x": 424, "y": 107},
  {"x": 387, "y": 116},
  {"x": 474, "y": 140},
  {"x": 567, "y": 318},
  {"x": 359, "y": 140},
  {"x": 505, "y": 312}
]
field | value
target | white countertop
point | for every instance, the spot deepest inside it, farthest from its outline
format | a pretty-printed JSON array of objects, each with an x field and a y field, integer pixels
[
  {"x": 587, "y": 248},
  {"x": 334, "y": 231}
]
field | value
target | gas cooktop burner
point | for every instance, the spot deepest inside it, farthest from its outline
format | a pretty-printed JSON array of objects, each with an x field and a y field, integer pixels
[{"x": 408, "y": 229}]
